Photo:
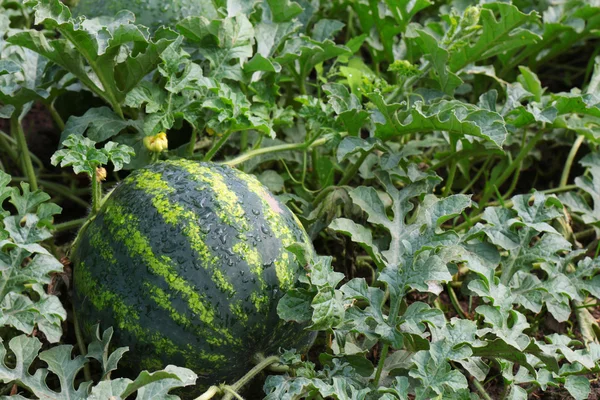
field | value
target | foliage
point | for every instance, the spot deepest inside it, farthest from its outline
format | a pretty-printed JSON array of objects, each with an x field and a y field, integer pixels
[{"x": 427, "y": 147}]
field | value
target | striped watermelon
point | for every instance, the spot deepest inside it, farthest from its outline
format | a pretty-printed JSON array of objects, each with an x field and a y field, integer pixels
[{"x": 187, "y": 262}]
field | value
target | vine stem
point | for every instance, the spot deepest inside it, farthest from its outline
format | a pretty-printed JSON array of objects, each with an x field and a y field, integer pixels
[
  {"x": 210, "y": 393},
  {"x": 65, "y": 226},
  {"x": 455, "y": 303},
  {"x": 450, "y": 180},
  {"x": 217, "y": 146},
  {"x": 480, "y": 389},
  {"x": 19, "y": 134},
  {"x": 570, "y": 158},
  {"x": 96, "y": 193},
  {"x": 508, "y": 171},
  {"x": 258, "y": 368},
  {"x": 233, "y": 389},
  {"x": 350, "y": 172},
  {"x": 230, "y": 392},
  {"x": 193, "y": 141},
  {"x": 56, "y": 116},
  {"x": 394, "y": 310},
  {"x": 81, "y": 344},
  {"x": 273, "y": 149},
  {"x": 6, "y": 141}
]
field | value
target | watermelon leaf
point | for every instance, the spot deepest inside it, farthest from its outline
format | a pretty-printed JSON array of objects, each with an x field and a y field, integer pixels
[
  {"x": 26, "y": 266},
  {"x": 81, "y": 154},
  {"x": 61, "y": 363},
  {"x": 99, "y": 350},
  {"x": 99, "y": 45}
]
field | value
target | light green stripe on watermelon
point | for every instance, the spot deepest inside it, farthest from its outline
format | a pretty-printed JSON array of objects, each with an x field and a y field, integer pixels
[
  {"x": 122, "y": 227},
  {"x": 271, "y": 210},
  {"x": 238, "y": 311},
  {"x": 231, "y": 212},
  {"x": 163, "y": 300},
  {"x": 127, "y": 316},
  {"x": 174, "y": 214},
  {"x": 157, "y": 294},
  {"x": 99, "y": 243}
]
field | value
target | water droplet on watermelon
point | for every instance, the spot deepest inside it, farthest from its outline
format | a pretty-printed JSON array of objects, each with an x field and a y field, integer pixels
[
  {"x": 230, "y": 263},
  {"x": 168, "y": 248},
  {"x": 255, "y": 211},
  {"x": 224, "y": 239},
  {"x": 205, "y": 228},
  {"x": 228, "y": 253},
  {"x": 264, "y": 230},
  {"x": 267, "y": 265}
]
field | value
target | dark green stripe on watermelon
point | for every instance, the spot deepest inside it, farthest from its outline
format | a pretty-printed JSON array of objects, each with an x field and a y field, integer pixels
[{"x": 197, "y": 251}]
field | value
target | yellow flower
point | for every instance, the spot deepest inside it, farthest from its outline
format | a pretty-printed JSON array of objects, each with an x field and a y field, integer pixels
[{"x": 157, "y": 143}]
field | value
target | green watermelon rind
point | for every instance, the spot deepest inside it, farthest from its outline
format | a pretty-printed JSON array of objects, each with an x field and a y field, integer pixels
[{"x": 187, "y": 261}]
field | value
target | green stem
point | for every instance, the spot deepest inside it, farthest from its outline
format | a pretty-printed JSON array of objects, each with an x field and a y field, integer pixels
[
  {"x": 382, "y": 357},
  {"x": 585, "y": 234},
  {"x": 514, "y": 182},
  {"x": 217, "y": 146},
  {"x": 65, "y": 226},
  {"x": 210, "y": 393},
  {"x": 479, "y": 387},
  {"x": 81, "y": 345},
  {"x": 394, "y": 310},
  {"x": 570, "y": 158},
  {"x": 56, "y": 116},
  {"x": 96, "y": 194},
  {"x": 9, "y": 143},
  {"x": 263, "y": 364},
  {"x": 193, "y": 141},
  {"x": 508, "y": 171},
  {"x": 244, "y": 141},
  {"x": 351, "y": 172},
  {"x": 477, "y": 176},
  {"x": 323, "y": 194},
  {"x": 450, "y": 180},
  {"x": 455, "y": 303},
  {"x": 230, "y": 392},
  {"x": 19, "y": 135},
  {"x": 273, "y": 149},
  {"x": 460, "y": 155}
]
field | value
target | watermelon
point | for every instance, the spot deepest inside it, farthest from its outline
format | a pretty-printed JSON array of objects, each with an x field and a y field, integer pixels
[{"x": 187, "y": 262}]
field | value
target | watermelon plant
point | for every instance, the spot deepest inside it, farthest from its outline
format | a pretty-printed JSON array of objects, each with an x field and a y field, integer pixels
[{"x": 348, "y": 199}]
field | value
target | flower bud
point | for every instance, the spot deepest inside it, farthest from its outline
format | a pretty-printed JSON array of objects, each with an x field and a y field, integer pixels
[
  {"x": 100, "y": 174},
  {"x": 156, "y": 143},
  {"x": 470, "y": 16}
]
